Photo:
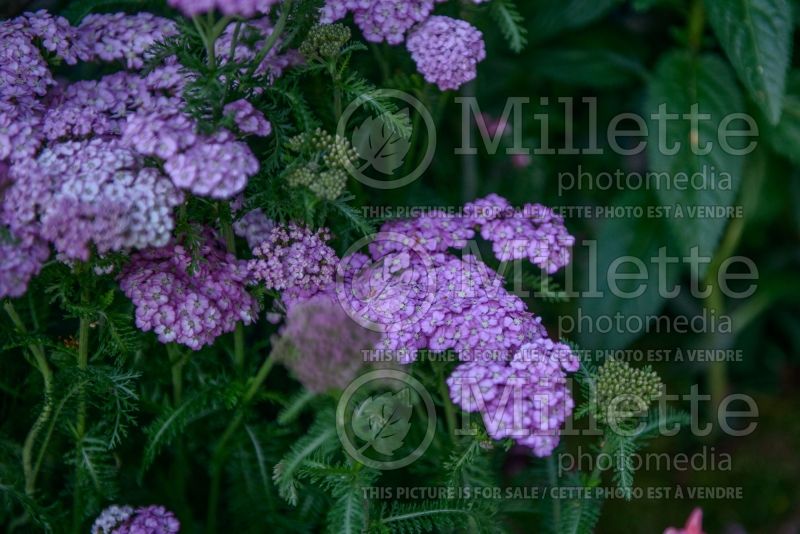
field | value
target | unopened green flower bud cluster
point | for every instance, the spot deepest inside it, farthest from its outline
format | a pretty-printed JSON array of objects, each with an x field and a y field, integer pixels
[
  {"x": 624, "y": 391},
  {"x": 328, "y": 158},
  {"x": 325, "y": 41}
]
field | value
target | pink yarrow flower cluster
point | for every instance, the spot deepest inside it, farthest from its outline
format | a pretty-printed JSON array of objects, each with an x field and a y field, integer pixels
[
  {"x": 254, "y": 227},
  {"x": 419, "y": 296},
  {"x": 241, "y": 8},
  {"x": 526, "y": 399},
  {"x": 128, "y": 520},
  {"x": 189, "y": 298},
  {"x": 380, "y": 20},
  {"x": 79, "y": 194},
  {"x": 321, "y": 344},
  {"x": 218, "y": 166},
  {"x": 293, "y": 258},
  {"x": 121, "y": 37},
  {"x": 534, "y": 232},
  {"x": 21, "y": 261},
  {"x": 247, "y": 118},
  {"x": 76, "y": 159},
  {"x": 445, "y": 50}
]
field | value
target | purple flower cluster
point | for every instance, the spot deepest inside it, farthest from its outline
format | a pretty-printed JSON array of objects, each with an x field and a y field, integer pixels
[
  {"x": 446, "y": 51},
  {"x": 535, "y": 232},
  {"x": 380, "y": 20},
  {"x": 127, "y": 520},
  {"x": 526, "y": 399},
  {"x": 74, "y": 156},
  {"x": 117, "y": 36},
  {"x": 20, "y": 131},
  {"x": 162, "y": 133},
  {"x": 23, "y": 71},
  {"x": 437, "y": 302},
  {"x": 189, "y": 299},
  {"x": 418, "y": 296},
  {"x": 67, "y": 179},
  {"x": 232, "y": 8},
  {"x": 254, "y": 227},
  {"x": 102, "y": 107},
  {"x": 21, "y": 261},
  {"x": 81, "y": 193},
  {"x": 54, "y": 34},
  {"x": 294, "y": 258},
  {"x": 247, "y": 118},
  {"x": 217, "y": 166},
  {"x": 434, "y": 231},
  {"x": 321, "y": 345}
]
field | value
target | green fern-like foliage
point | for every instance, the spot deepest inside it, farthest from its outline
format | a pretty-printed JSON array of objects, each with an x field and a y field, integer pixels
[
  {"x": 321, "y": 437},
  {"x": 173, "y": 421},
  {"x": 437, "y": 516},
  {"x": 511, "y": 23}
]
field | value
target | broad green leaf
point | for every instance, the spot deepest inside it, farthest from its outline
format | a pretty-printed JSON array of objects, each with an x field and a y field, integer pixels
[
  {"x": 619, "y": 238},
  {"x": 785, "y": 136},
  {"x": 383, "y": 421},
  {"x": 680, "y": 82},
  {"x": 756, "y": 35},
  {"x": 644, "y": 5},
  {"x": 551, "y": 17},
  {"x": 585, "y": 64}
]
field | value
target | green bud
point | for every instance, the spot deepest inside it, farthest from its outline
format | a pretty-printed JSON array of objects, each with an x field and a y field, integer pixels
[
  {"x": 623, "y": 391},
  {"x": 325, "y": 41}
]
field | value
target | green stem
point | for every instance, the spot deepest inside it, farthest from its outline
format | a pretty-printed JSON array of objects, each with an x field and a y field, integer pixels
[
  {"x": 752, "y": 182},
  {"x": 234, "y": 41},
  {"x": 552, "y": 479},
  {"x": 449, "y": 409},
  {"x": 211, "y": 59},
  {"x": 52, "y": 425},
  {"x": 238, "y": 347},
  {"x": 273, "y": 37},
  {"x": 83, "y": 364},
  {"x": 80, "y": 425},
  {"x": 376, "y": 53},
  {"x": 469, "y": 162},
  {"x": 220, "y": 451},
  {"x": 337, "y": 92},
  {"x": 238, "y": 333},
  {"x": 177, "y": 361},
  {"x": 29, "y": 471},
  {"x": 179, "y": 467},
  {"x": 696, "y": 26},
  {"x": 596, "y": 478}
]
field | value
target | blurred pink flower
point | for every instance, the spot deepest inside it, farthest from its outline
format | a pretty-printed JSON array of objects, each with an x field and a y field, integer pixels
[
  {"x": 492, "y": 124},
  {"x": 521, "y": 161},
  {"x": 694, "y": 525}
]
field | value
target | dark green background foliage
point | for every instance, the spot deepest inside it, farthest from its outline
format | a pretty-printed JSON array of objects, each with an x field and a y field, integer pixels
[{"x": 284, "y": 470}]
